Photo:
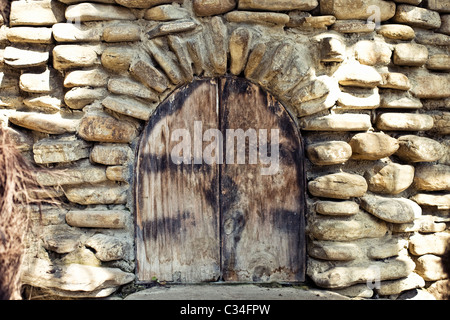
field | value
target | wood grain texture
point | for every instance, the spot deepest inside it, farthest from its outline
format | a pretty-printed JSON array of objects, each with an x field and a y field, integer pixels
[
  {"x": 262, "y": 215},
  {"x": 177, "y": 216}
]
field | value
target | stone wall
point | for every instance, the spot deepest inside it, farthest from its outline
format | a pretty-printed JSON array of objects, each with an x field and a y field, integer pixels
[{"x": 367, "y": 80}]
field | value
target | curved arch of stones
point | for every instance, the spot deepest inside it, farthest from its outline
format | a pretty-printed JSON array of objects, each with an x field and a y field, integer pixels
[{"x": 117, "y": 68}]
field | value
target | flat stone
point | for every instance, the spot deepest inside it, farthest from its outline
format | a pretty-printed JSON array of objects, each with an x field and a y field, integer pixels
[
  {"x": 61, "y": 238},
  {"x": 119, "y": 173},
  {"x": 359, "y": 98},
  {"x": 73, "y": 56},
  {"x": 46, "y": 123},
  {"x": 79, "y": 97},
  {"x": 86, "y": 78},
  {"x": 337, "y": 122},
  {"x": 172, "y": 27},
  {"x": 410, "y": 54},
  {"x": 394, "y": 210},
  {"x": 445, "y": 25},
  {"x": 423, "y": 224},
  {"x": 384, "y": 248},
  {"x": 36, "y": 82},
  {"x": 239, "y": 46},
  {"x": 438, "y": 201},
  {"x": 393, "y": 99},
  {"x": 44, "y": 104},
  {"x": 147, "y": 74},
  {"x": 204, "y": 8},
  {"x": 132, "y": 88},
  {"x": 417, "y": 17},
  {"x": 303, "y": 20},
  {"x": 97, "y": 12},
  {"x": 107, "y": 248},
  {"x": 30, "y": 35},
  {"x": 21, "y": 58},
  {"x": 337, "y": 208},
  {"x": 84, "y": 173},
  {"x": 358, "y": 75},
  {"x": 332, "y": 50},
  {"x": 373, "y": 53},
  {"x": 338, "y": 186},
  {"x": 372, "y": 146},
  {"x": 109, "y": 219},
  {"x": 436, "y": 243},
  {"x": 111, "y": 154},
  {"x": 128, "y": 106},
  {"x": 333, "y": 251},
  {"x": 100, "y": 126},
  {"x": 81, "y": 255},
  {"x": 179, "y": 47},
  {"x": 65, "y": 149},
  {"x": 166, "y": 13},
  {"x": 441, "y": 122},
  {"x": 412, "y": 281},
  {"x": 96, "y": 194},
  {"x": 392, "y": 178},
  {"x": 117, "y": 59},
  {"x": 268, "y": 18},
  {"x": 431, "y": 86},
  {"x": 404, "y": 122},
  {"x": 353, "y": 26},
  {"x": 69, "y": 32},
  {"x": 360, "y": 9},
  {"x": 74, "y": 280},
  {"x": 279, "y": 5},
  {"x": 430, "y": 268},
  {"x": 395, "y": 80},
  {"x": 432, "y": 177},
  {"x": 329, "y": 152},
  {"x": 439, "y": 62},
  {"x": 439, "y": 5},
  {"x": 122, "y": 32},
  {"x": 36, "y": 13},
  {"x": 419, "y": 149},
  {"x": 359, "y": 226},
  {"x": 427, "y": 37},
  {"x": 396, "y": 32},
  {"x": 142, "y": 4}
]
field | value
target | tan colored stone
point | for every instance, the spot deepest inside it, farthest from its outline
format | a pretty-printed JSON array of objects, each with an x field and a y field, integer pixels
[
  {"x": 117, "y": 59},
  {"x": 404, "y": 122},
  {"x": 239, "y": 47},
  {"x": 430, "y": 268},
  {"x": 47, "y": 123},
  {"x": 111, "y": 154},
  {"x": 122, "y": 32},
  {"x": 338, "y": 186},
  {"x": 441, "y": 122},
  {"x": 328, "y": 153},
  {"x": 36, "y": 82},
  {"x": 417, "y": 17},
  {"x": 269, "y": 18},
  {"x": 110, "y": 219},
  {"x": 129, "y": 87},
  {"x": 107, "y": 248},
  {"x": 412, "y": 281},
  {"x": 337, "y": 122},
  {"x": 107, "y": 193},
  {"x": 142, "y": 4},
  {"x": 419, "y": 149},
  {"x": 392, "y": 178},
  {"x": 61, "y": 238},
  {"x": 171, "y": 27},
  {"x": 358, "y": 75},
  {"x": 373, "y": 53},
  {"x": 279, "y": 5},
  {"x": 30, "y": 35},
  {"x": 79, "y": 97},
  {"x": 439, "y": 62},
  {"x": 213, "y": 7},
  {"x": 36, "y": 13},
  {"x": 359, "y": 98},
  {"x": 337, "y": 208},
  {"x": 410, "y": 54},
  {"x": 431, "y": 86},
  {"x": 166, "y": 13},
  {"x": 353, "y": 26},
  {"x": 21, "y": 58},
  {"x": 128, "y": 106},
  {"x": 44, "y": 104},
  {"x": 436, "y": 243},
  {"x": 147, "y": 74},
  {"x": 83, "y": 173},
  {"x": 97, "y": 12},
  {"x": 397, "y": 32},
  {"x": 439, "y": 5},
  {"x": 86, "y": 78},
  {"x": 428, "y": 37},
  {"x": 423, "y": 224},
  {"x": 333, "y": 251},
  {"x": 69, "y": 32},
  {"x": 441, "y": 202},
  {"x": 332, "y": 50},
  {"x": 357, "y": 9},
  {"x": 73, "y": 56},
  {"x": 395, "y": 80},
  {"x": 119, "y": 173},
  {"x": 393, "y": 99},
  {"x": 432, "y": 177},
  {"x": 394, "y": 210},
  {"x": 65, "y": 149},
  {"x": 372, "y": 146}
]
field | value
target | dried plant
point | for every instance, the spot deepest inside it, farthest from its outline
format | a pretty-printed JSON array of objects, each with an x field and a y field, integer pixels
[{"x": 16, "y": 180}]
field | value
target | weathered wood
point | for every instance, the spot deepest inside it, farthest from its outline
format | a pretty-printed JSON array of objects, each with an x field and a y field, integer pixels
[
  {"x": 262, "y": 215},
  {"x": 177, "y": 205},
  {"x": 233, "y": 217}
]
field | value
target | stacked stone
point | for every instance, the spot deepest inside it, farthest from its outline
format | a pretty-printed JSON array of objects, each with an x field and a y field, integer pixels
[{"x": 368, "y": 80}]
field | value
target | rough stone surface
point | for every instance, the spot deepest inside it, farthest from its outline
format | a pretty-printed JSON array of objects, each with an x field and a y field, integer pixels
[
  {"x": 60, "y": 150},
  {"x": 412, "y": 281},
  {"x": 432, "y": 86},
  {"x": 440, "y": 202},
  {"x": 114, "y": 219},
  {"x": 128, "y": 106},
  {"x": 84, "y": 173},
  {"x": 61, "y": 238},
  {"x": 111, "y": 154},
  {"x": 36, "y": 13},
  {"x": 417, "y": 17},
  {"x": 96, "y": 11},
  {"x": 404, "y": 122},
  {"x": 268, "y": 18},
  {"x": 394, "y": 210},
  {"x": 46, "y": 123},
  {"x": 86, "y": 78},
  {"x": 409, "y": 54},
  {"x": 335, "y": 208},
  {"x": 71, "y": 56},
  {"x": 392, "y": 178},
  {"x": 432, "y": 178},
  {"x": 429, "y": 267},
  {"x": 372, "y": 146},
  {"x": 22, "y": 58},
  {"x": 360, "y": 9},
  {"x": 338, "y": 186},
  {"x": 97, "y": 194},
  {"x": 210, "y": 8},
  {"x": 429, "y": 244},
  {"x": 397, "y": 31},
  {"x": 419, "y": 149},
  {"x": 337, "y": 122},
  {"x": 328, "y": 153},
  {"x": 107, "y": 248},
  {"x": 280, "y": 5},
  {"x": 144, "y": 3},
  {"x": 30, "y": 35},
  {"x": 358, "y": 75}
]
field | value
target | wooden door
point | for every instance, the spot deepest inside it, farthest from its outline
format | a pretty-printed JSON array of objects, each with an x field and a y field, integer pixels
[{"x": 230, "y": 218}]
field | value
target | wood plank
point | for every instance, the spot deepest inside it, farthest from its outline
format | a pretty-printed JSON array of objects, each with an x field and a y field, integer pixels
[
  {"x": 177, "y": 209},
  {"x": 262, "y": 215}
]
